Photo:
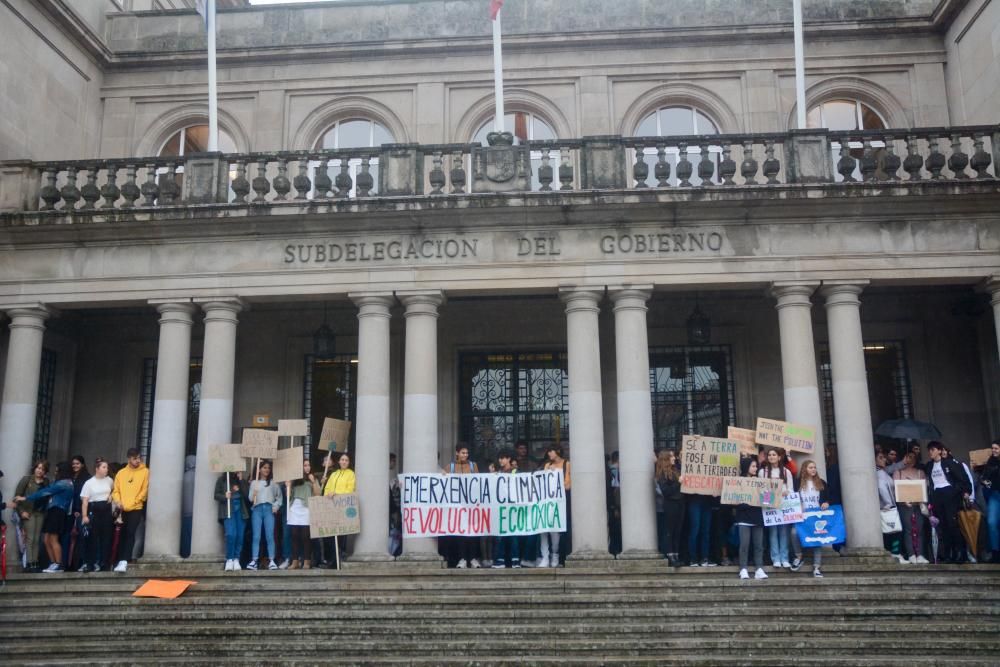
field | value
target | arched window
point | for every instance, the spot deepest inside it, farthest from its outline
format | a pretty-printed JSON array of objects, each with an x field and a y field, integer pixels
[
  {"x": 525, "y": 126},
  {"x": 846, "y": 116},
  {"x": 352, "y": 133},
  {"x": 679, "y": 120}
]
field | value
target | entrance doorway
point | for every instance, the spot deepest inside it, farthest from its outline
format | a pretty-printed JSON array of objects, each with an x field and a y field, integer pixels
[{"x": 330, "y": 389}]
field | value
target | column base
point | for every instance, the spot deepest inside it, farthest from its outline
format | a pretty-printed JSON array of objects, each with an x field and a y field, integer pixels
[
  {"x": 859, "y": 556},
  {"x": 641, "y": 554},
  {"x": 170, "y": 559},
  {"x": 581, "y": 559},
  {"x": 422, "y": 559},
  {"x": 371, "y": 559}
]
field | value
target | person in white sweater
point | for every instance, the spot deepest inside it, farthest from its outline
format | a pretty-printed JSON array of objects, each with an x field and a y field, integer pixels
[{"x": 265, "y": 499}]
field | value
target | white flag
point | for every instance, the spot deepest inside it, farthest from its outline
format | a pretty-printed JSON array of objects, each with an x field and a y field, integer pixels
[{"x": 202, "y": 9}]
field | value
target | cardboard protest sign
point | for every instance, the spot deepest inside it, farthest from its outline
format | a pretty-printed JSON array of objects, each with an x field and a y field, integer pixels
[
  {"x": 752, "y": 491},
  {"x": 822, "y": 527},
  {"x": 789, "y": 512},
  {"x": 747, "y": 438},
  {"x": 979, "y": 457},
  {"x": 293, "y": 427},
  {"x": 226, "y": 458},
  {"x": 788, "y": 436},
  {"x": 259, "y": 444},
  {"x": 336, "y": 432},
  {"x": 911, "y": 491},
  {"x": 331, "y": 516},
  {"x": 483, "y": 504},
  {"x": 705, "y": 461},
  {"x": 288, "y": 464}
]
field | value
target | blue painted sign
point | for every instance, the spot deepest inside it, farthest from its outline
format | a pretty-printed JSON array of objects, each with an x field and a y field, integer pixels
[{"x": 822, "y": 527}]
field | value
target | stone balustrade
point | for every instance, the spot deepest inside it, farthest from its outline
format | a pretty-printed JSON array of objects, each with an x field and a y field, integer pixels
[{"x": 674, "y": 164}]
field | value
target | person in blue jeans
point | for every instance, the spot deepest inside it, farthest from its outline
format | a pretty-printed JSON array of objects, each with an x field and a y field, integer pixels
[
  {"x": 266, "y": 500},
  {"x": 778, "y": 536},
  {"x": 991, "y": 489},
  {"x": 234, "y": 521},
  {"x": 699, "y": 524},
  {"x": 506, "y": 546}
]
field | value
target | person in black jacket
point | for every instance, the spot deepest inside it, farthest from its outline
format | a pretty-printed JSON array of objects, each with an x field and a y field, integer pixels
[
  {"x": 750, "y": 520},
  {"x": 947, "y": 484},
  {"x": 668, "y": 495},
  {"x": 990, "y": 475}
]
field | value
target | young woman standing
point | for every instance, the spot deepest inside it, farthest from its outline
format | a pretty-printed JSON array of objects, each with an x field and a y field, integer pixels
[
  {"x": 778, "y": 535},
  {"x": 95, "y": 499},
  {"x": 750, "y": 520},
  {"x": 233, "y": 515},
  {"x": 298, "y": 493},
  {"x": 31, "y": 515},
  {"x": 342, "y": 480},
  {"x": 813, "y": 493},
  {"x": 265, "y": 500},
  {"x": 911, "y": 515},
  {"x": 549, "y": 545},
  {"x": 668, "y": 492},
  {"x": 60, "y": 495}
]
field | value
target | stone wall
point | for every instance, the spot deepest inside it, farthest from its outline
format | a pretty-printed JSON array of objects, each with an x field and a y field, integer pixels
[{"x": 973, "y": 44}]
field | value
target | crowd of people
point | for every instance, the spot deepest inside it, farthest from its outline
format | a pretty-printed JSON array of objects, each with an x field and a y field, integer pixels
[{"x": 75, "y": 520}]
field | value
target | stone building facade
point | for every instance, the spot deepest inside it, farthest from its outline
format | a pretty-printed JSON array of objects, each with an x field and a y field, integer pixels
[{"x": 662, "y": 253}]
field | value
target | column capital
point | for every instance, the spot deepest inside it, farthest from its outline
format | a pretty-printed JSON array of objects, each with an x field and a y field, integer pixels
[
  {"x": 373, "y": 304},
  {"x": 421, "y": 302},
  {"x": 584, "y": 298},
  {"x": 221, "y": 307},
  {"x": 178, "y": 312},
  {"x": 843, "y": 292},
  {"x": 793, "y": 292},
  {"x": 991, "y": 286},
  {"x": 28, "y": 315}
]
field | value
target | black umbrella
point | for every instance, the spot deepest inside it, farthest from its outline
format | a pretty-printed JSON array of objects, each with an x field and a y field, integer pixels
[{"x": 908, "y": 429}]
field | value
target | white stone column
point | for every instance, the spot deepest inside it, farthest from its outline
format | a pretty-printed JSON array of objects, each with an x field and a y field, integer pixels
[
  {"x": 635, "y": 423},
  {"x": 852, "y": 414},
  {"x": 420, "y": 400},
  {"x": 372, "y": 426},
  {"x": 20, "y": 397},
  {"x": 169, "y": 437},
  {"x": 798, "y": 361},
  {"x": 993, "y": 287},
  {"x": 586, "y": 423},
  {"x": 215, "y": 418}
]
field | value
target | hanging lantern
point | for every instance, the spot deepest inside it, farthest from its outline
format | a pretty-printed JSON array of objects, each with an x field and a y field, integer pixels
[
  {"x": 324, "y": 342},
  {"x": 699, "y": 327}
]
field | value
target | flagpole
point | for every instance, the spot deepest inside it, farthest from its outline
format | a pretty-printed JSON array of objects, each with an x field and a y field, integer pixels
[
  {"x": 497, "y": 75},
  {"x": 800, "y": 66},
  {"x": 213, "y": 102}
]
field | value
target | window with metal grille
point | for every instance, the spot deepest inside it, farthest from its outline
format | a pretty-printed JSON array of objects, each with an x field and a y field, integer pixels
[
  {"x": 147, "y": 401},
  {"x": 512, "y": 396},
  {"x": 46, "y": 397},
  {"x": 889, "y": 392},
  {"x": 692, "y": 392},
  {"x": 329, "y": 389}
]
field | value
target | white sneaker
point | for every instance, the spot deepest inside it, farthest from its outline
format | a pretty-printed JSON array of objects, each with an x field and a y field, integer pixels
[
  {"x": 474, "y": 564},
  {"x": 229, "y": 566},
  {"x": 902, "y": 560},
  {"x": 284, "y": 564},
  {"x": 236, "y": 565},
  {"x": 817, "y": 573},
  {"x": 271, "y": 565},
  {"x": 785, "y": 564},
  {"x": 913, "y": 560},
  {"x": 760, "y": 574},
  {"x": 462, "y": 564},
  {"x": 554, "y": 562},
  {"x": 252, "y": 565},
  {"x": 122, "y": 566},
  {"x": 744, "y": 574},
  {"x": 922, "y": 560},
  {"x": 529, "y": 563},
  {"x": 54, "y": 567}
]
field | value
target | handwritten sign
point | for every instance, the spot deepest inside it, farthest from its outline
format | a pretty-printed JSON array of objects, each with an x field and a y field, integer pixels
[
  {"x": 788, "y": 436},
  {"x": 331, "y": 516},
  {"x": 482, "y": 504},
  {"x": 293, "y": 427},
  {"x": 822, "y": 527},
  {"x": 288, "y": 464},
  {"x": 980, "y": 457},
  {"x": 754, "y": 491},
  {"x": 258, "y": 443},
  {"x": 789, "y": 512},
  {"x": 911, "y": 491},
  {"x": 226, "y": 458},
  {"x": 747, "y": 438},
  {"x": 705, "y": 461},
  {"x": 336, "y": 432}
]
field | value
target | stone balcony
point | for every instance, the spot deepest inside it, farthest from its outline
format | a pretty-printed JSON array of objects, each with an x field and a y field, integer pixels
[{"x": 608, "y": 170}]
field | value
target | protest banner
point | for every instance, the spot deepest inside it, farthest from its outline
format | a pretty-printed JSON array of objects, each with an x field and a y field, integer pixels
[
  {"x": 788, "y": 436},
  {"x": 293, "y": 427},
  {"x": 911, "y": 491},
  {"x": 258, "y": 443},
  {"x": 754, "y": 491},
  {"x": 332, "y": 516},
  {"x": 789, "y": 512},
  {"x": 822, "y": 527},
  {"x": 747, "y": 438},
  {"x": 336, "y": 432},
  {"x": 979, "y": 457},
  {"x": 705, "y": 461},
  {"x": 483, "y": 504},
  {"x": 226, "y": 458},
  {"x": 288, "y": 464}
]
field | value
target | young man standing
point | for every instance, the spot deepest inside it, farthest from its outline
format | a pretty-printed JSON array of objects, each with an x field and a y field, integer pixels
[
  {"x": 506, "y": 546},
  {"x": 462, "y": 550},
  {"x": 129, "y": 495},
  {"x": 947, "y": 485}
]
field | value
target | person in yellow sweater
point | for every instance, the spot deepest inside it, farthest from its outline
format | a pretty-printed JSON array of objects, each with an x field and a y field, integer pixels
[
  {"x": 129, "y": 496},
  {"x": 342, "y": 480}
]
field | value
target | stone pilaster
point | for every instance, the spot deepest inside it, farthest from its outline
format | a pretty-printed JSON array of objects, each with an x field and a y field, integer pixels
[
  {"x": 215, "y": 417},
  {"x": 169, "y": 437}
]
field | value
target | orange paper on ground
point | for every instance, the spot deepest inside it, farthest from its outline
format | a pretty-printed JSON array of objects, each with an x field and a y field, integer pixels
[{"x": 167, "y": 590}]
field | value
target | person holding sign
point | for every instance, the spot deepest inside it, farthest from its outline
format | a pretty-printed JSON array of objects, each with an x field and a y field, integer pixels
[
  {"x": 298, "y": 493},
  {"x": 750, "y": 520},
  {"x": 549, "y": 544},
  {"x": 342, "y": 480},
  {"x": 911, "y": 515},
  {"x": 506, "y": 546},
  {"x": 265, "y": 499},
  {"x": 812, "y": 491},
  {"x": 778, "y": 536},
  {"x": 462, "y": 550},
  {"x": 233, "y": 515}
]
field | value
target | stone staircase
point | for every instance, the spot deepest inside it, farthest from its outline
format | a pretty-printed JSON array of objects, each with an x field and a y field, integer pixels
[{"x": 620, "y": 614}]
